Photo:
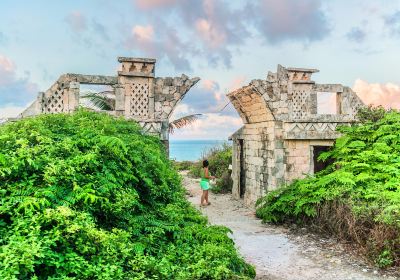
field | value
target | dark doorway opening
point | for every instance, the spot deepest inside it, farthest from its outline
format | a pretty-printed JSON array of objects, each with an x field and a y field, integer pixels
[
  {"x": 242, "y": 179},
  {"x": 319, "y": 164}
]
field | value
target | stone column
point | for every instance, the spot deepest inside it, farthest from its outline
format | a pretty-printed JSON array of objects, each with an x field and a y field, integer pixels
[
  {"x": 73, "y": 97},
  {"x": 119, "y": 100},
  {"x": 39, "y": 103}
]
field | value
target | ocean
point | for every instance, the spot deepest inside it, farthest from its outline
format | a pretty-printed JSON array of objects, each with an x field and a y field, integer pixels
[{"x": 190, "y": 149}]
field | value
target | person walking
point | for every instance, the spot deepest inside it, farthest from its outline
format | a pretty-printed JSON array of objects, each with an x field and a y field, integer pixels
[{"x": 205, "y": 183}]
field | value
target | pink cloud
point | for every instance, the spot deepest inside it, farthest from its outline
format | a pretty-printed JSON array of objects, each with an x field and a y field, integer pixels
[
  {"x": 7, "y": 70},
  {"x": 143, "y": 33},
  {"x": 387, "y": 95},
  {"x": 326, "y": 103},
  {"x": 209, "y": 85},
  {"x": 159, "y": 43},
  {"x": 14, "y": 90},
  {"x": 236, "y": 83},
  {"x": 209, "y": 33},
  {"x": 77, "y": 21}
]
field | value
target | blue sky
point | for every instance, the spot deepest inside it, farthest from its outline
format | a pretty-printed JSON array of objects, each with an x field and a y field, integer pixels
[{"x": 225, "y": 43}]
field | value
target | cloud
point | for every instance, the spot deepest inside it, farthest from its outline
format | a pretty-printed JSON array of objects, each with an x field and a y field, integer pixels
[
  {"x": 292, "y": 20},
  {"x": 89, "y": 33},
  {"x": 14, "y": 91},
  {"x": 356, "y": 34},
  {"x": 77, "y": 21},
  {"x": 203, "y": 98},
  {"x": 326, "y": 103},
  {"x": 387, "y": 95},
  {"x": 160, "y": 43},
  {"x": 143, "y": 33},
  {"x": 210, "y": 126},
  {"x": 392, "y": 21},
  {"x": 10, "y": 111},
  {"x": 208, "y": 97},
  {"x": 212, "y": 27},
  {"x": 100, "y": 29},
  {"x": 236, "y": 83},
  {"x": 216, "y": 29}
]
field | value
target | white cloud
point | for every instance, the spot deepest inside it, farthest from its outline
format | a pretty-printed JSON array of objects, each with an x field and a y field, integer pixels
[
  {"x": 10, "y": 111},
  {"x": 14, "y": 90},
  {"x": 210, "y": 126}
]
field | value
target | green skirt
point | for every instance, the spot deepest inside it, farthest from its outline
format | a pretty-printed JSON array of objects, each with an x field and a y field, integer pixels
[{"x": 205, "y": 185}]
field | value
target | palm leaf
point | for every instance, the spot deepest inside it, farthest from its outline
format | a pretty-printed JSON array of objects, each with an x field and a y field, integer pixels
[
  {"x": 101, "y": 100},
  {"x": 181, "y": 122}
]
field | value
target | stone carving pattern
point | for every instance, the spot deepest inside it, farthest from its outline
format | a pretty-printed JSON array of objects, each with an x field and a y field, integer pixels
[
  {"x": 299, "y": 100},
  {"x": 152, "y": 128},
  {"x": 320, "y": 127},
  {"x": 55, "y": 103},
  {"x": 139, "y": 99}
]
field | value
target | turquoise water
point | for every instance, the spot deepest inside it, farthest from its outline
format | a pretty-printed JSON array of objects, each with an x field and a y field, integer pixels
[{"x": 190, "y": 149}]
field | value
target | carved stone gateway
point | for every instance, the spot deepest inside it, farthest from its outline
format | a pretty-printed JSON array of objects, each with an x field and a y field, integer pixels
[
  {"x": 283, "y": 134},
  {"x": 139, "y": 95}
]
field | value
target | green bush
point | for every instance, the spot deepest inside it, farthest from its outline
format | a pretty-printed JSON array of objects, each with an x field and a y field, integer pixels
[
  {"x": 87, "y": 196},
  {"x": 182, "y": 165},
  {"x": 357, "y": 198},
  {"x": 219, "y": 158}
]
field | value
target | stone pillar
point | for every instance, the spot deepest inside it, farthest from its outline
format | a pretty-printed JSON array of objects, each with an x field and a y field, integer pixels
[
  {"x": 39, "y": 103},
  {"x": 73, "y": 97},
  {"x": 137, "y": 81},
  {"x": 119, "y": 100}
]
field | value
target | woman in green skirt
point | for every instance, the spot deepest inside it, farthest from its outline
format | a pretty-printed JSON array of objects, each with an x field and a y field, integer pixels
[{"x": 205, "y": 183}]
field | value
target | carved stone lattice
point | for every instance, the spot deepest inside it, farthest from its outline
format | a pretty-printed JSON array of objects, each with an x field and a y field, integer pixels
[
  {"x": 55, "y": 102},
  {"x": 299, "y": 102},
  {"x": 139, "y": 99}
]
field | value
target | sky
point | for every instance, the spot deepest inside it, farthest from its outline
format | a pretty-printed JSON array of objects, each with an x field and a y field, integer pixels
[{"x": 225, "y": 43}]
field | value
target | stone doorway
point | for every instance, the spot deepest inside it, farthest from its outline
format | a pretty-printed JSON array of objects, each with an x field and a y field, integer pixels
[{"x": 319, "y": 165}]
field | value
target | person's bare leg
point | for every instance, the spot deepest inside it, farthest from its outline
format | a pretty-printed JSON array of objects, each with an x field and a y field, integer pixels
[
  {"x": 206, "y": 197},
  {"x": 202, "y": 198}
]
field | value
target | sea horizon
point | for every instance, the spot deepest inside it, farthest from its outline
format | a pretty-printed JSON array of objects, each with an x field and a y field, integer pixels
[{"x": 191, "y": 149}]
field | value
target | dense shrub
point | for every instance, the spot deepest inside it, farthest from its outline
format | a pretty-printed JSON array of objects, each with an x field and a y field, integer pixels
[
  {"x": 357, "y": 198},
  {"x": 219, "y": 157},
  {"x": 86, "y": 196},
  {"x": 183, "y": 165}
]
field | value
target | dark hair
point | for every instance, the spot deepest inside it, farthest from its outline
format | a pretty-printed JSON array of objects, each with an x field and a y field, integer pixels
[{"x": 205, "y": 163}]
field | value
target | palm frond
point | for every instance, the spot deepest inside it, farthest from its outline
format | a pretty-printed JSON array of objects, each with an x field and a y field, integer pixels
[
  {"x": 101, "y": 100},
  {"x": 181, "y": 122}
]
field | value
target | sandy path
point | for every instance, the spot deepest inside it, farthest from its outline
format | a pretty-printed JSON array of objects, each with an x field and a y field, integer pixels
[{"x": 277, "y": 253}]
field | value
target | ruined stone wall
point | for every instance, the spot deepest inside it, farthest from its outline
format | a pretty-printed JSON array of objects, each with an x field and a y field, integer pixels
[
  {"x": 259, "y": 126},
  {"x": 298, "y": 157},
  {"x": 139, "y": 95},
  {"x": 256, "y": 159},
  {"x": 282, "y": 124}
]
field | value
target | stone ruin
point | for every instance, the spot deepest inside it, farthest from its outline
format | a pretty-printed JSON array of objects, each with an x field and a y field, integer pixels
[
  {"x": 283, "y": 132},
  {"x": 139, "y": 95}
]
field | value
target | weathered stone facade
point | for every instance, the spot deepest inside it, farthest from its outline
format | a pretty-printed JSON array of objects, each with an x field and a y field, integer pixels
[
  {"x": 282, "y": 133},
  {"x": 139, "y": 95}
]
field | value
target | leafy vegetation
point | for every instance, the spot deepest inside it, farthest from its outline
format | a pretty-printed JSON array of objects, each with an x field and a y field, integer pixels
[
  {"x": 182, "y": 165},
  {"x": 357, "y": 198},
  {"x": 87, "y": 196},
  {"x": 219, "y": 157}
]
